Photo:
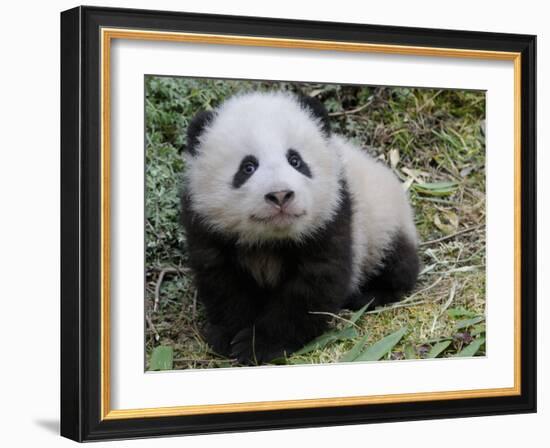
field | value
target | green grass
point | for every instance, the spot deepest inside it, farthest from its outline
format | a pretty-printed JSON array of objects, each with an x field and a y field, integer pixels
[{"x": 434, "y": 141}]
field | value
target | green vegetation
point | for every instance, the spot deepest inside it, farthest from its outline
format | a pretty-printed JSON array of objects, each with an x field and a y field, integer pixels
[{"x": 433, "y": 140}]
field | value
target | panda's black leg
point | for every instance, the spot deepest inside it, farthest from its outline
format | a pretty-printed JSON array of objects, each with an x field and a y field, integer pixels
[
  {"x": 357, "y": 300},
  {"x": 397, "y": 277}
]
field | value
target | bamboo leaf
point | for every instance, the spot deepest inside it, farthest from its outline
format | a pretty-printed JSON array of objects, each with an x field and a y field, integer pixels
[
  {"x": 346, "y": 333},
  {"x": 455, "y": 313},
  {"x": 162, "y": 358},
  {"x": 354, "y": 352},
  {"x": 382, "y": 347},
  {"x": 357, "y": 315},
  {"x": 440, "y": 339},
  {"x": 478, "y": 329},
  {"x": 436, "y": 188},
  {"x": 469, "y": 322},
  {"x": 437, "y": 349},
  {"x": 471, "y": 349},
  {"x": 327, "y": 338}
]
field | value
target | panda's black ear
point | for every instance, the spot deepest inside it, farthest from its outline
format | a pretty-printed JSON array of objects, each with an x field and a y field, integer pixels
[
  {"x": 195, "y": 129},
  {"x": 318, "y": 110}
]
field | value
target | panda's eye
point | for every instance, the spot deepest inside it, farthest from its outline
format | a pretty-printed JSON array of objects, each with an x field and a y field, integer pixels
[
  {"x": 248, "y": 168},
  {"x": 295, "y": 161}
]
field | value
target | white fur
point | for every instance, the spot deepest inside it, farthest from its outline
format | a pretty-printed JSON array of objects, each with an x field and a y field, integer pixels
[
  {"x": 266, "y": 125},
  {"x": 380, "y": 207}
]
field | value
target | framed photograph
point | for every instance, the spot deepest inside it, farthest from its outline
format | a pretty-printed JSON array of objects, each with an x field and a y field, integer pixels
[{"x": 276, "y": 224}]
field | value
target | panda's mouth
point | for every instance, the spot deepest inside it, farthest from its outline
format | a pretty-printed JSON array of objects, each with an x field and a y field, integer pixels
[{"x": 280, "y": 218}]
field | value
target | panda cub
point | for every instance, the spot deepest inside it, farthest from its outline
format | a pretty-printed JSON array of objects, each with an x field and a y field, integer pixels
[{"x": 287, "y": 223}]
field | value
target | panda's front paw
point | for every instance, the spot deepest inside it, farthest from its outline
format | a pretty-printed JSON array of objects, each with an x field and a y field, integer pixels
[
  {"x": 252, "y": 347},
  {"x": 219, "y": 339}
]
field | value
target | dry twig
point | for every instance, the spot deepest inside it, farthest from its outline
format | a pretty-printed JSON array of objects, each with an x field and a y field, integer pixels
[
  {"x": 448, "y": 237},
  {"x": 445, "y": 306},
  {"x": 163, "y": 272},
  {"x": 326, "y": 313},
  {"x": 351, "y": 111},
  {"x": 152, "y": 326}
]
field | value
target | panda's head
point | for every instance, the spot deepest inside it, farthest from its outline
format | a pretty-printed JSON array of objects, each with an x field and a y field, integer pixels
[{"x": 260, "y": 167}]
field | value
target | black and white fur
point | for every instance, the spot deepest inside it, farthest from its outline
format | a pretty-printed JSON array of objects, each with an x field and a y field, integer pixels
[{"x": 287, "y": 223}]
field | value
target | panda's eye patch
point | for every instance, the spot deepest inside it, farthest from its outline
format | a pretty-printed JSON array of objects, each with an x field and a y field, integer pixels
[
  {"x": 247, "y": 167},
  {"x": 296, "y": 162}
]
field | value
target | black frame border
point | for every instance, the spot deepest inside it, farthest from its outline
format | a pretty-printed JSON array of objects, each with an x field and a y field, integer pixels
[{"x": 81, "y": 223}]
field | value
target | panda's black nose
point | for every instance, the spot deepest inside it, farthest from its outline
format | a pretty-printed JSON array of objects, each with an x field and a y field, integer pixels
[{"x": 279, "y": 198}]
